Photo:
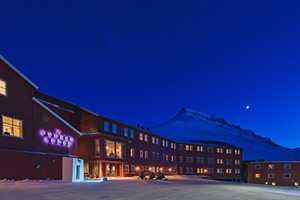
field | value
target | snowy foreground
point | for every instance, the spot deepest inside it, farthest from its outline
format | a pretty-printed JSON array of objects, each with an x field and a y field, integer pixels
[{"x": 177, "y": 187}]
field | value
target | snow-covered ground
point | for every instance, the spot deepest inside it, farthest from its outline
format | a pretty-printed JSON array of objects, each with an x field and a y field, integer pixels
[{"x": 177, "y": 187}]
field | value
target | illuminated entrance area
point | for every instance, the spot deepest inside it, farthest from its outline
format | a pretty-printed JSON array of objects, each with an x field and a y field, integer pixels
[{"x": 113, "y": 169}]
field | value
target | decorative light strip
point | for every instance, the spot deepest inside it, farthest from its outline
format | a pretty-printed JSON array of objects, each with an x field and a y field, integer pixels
[{"x": 56, "y": 138}]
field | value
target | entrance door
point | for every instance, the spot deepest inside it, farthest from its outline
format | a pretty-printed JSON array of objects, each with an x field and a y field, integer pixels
[
  {"x": 94, "y": 170},
  {"x": 111, "y": 169}
]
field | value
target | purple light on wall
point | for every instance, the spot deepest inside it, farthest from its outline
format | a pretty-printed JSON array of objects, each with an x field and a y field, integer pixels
[{"x": 56, "y": 138}]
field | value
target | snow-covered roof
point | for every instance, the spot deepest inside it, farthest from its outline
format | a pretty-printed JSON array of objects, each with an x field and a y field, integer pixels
[
  {"x": 18, "y": 72},
  {"x": 55, "y": 115}
]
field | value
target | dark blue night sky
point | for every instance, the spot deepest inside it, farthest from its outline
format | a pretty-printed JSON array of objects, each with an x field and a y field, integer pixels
[{"x": 142, "y": 61}]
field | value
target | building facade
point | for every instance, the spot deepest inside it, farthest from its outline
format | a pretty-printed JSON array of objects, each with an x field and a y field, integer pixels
[
  {"x": 33, "y": 139},
  {"x": 274, "y": 173},
  {"x": 216, "y": 160},
  {"x": 38, "y": 131}
]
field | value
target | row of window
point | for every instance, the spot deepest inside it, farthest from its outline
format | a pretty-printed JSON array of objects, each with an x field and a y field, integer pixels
[
  {"x": 12, "y": 127},
  {"x": 272, "y": 166},
  {"x": 200, "y": 160},
  {"x": 209, "y": 149},
  {"x": 132, "y": 169},
  {"x": 271, "y": 175},
  {"x": 190, "y": 170},
  {"x": 113, "y": 128}
]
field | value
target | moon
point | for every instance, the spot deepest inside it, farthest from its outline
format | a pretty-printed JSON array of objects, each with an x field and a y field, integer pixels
[{"x": 247, "y": 107}]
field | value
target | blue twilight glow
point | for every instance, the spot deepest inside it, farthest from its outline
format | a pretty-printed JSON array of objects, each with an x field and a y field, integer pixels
[{"x": 56, "y": 138}]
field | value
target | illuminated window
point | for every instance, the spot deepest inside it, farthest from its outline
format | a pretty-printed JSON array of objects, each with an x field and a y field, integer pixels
[
  {"x": 157, "y": 140},
  {"x": 97, "y": 147},
  {"x": 146, "y": 154},
  {"x": 228, "y": 171},
  {"x": 167, "y": 144},
  {"x": 167, "y": 157},
  {"x": 237, "y": 171},
  {"x": 146, "y": 138},
  {"x": 114, "y": 149},
  {"x": 126, "y": 132},
  {"x": 219, "y": 161},
  {"x": 3, "y": 88},
  {"x": 199, "y": 148},
  {"x": 141, "y": 136},
  {"x": 114, "y": 129},
  {"x": 153, "y": 140},
  {"x": 228, "y": 151},
  {"x": 219, "y": 150},
  {"x": 220, "y": 170},
  {"x": 132, "y": 152},
  {"x": 171, "y": 145},
  {"x": 237, "y": 151},
  {"x": 257, "y": 175},
  {"x": 106, "y": 126},
  {"x": 189, "y": 147},
  {"x": 12, "y": 126},
  {"x": 237, "y": 162}
]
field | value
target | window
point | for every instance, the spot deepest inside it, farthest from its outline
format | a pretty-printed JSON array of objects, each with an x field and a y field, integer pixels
[
  {"x": 219, "y": 161},
  {"x": 228, "y": 171},
  {"x": 189, "y": 147},
  {"x": 180, "y": 147},
  {"x": 271, "y": 175},
  {"x": 146, "y": 138},
  {"x": 174, "y": 146},
  {"x": 114, "y": 149},
  {"x": 97, "y": 147},
  {"x": 106, "y": 126},
  {"x": 153, "y": 155},
  {"x": 141, "y": 153},
  {"x": 287, "y": 176},
  {"x": 228, "y": 161},
  {"x": 287, "y": 166},
  {"x": 180, "y": 170},
  {"x": 228, "y": 151},
  {"x": 157, "y": 156},
  {"x": 132, "y": 133},
  {"x": 180, "y": 159},
  {"x": 271, "y": 166},
  {"x": 187, "y": 170},
  {"x": 163, "y": 143},
  {"x": 257, "y": 167},
  {"x": 220, "y": 170},
  {"x": 132, "y": 169},
  {"x": 114, "y": 128},
  {"x": 126, "y": 132},
  {"x": 157, "y": 140},
  {"x": 141, "y": 136},
  {"x": 237, "y": 151},
  {"x": 167, "y": 144},
  {"x": 126, "y": 169},
  {"x": 237, "y": 171},
  {"x": 12, "y": 126},
  {"x": 153, "y": 140},
  {"x": 257, "y": 175},
  {"x": 171, "y": 145},
  {"x": 191, "y": 159},
  {"x": 167, "y": 157},
  {"x": 3, "y": 88},
  {"x": 237, "y": 162},
  {"x": 200, "y": 170},
  {"x": 210, "y": 149},
  {"x": 210, "y": 161},
  {"x": 146, "y": 154},
  {"x": 132, "y": 152},
  {"x": 187, "y": 159},
  {"x": 191, "y": 170},
  {"x": 219, "y": 150}
]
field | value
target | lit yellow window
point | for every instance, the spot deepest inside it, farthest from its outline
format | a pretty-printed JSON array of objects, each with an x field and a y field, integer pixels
[
  {"x": 12, "y": 126},
  {"x": 257, "y": 175},
  {"x": 3, "y": 87}
]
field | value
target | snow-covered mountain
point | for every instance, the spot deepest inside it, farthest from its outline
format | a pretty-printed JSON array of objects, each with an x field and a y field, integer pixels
[{"x": 194, "y": 125}]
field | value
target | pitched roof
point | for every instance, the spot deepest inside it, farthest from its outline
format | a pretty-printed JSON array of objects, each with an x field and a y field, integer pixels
[{"x": 18, "y": 72}]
